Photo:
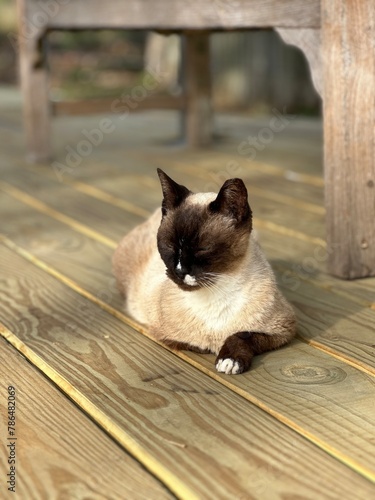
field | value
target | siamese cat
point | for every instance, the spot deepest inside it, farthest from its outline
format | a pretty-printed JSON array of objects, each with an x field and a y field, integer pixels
[{"x": 197, "y": 277}]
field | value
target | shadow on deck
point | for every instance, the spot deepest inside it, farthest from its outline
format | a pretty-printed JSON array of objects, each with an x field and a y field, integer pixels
[{"x": 299, "y": 424}]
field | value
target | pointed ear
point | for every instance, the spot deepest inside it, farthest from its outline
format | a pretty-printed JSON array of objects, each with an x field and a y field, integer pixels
[
  {"x": 173, "y": 193},
  {"x": 232, "y": 201}
]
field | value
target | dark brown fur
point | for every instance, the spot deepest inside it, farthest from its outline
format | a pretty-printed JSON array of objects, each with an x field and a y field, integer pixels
[
  {"x": 243, "y": 346},
  {"x": 205, "y": 246},
  {"x": 215, "y": 237}
]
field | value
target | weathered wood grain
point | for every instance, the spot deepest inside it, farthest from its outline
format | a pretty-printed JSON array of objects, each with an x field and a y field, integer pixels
[
  {"x": 295, "y": 152},
  {"x": 35, "y": 231},
  {"x": 333, "y": 322},
  {"x": 88, "y": 211},
  {"x": 60, "y": 452},
  {"x": 84, "y": 259},
  {"x": 269, "y": 184},
  {"x": 336, "y": 321},
  {"x": 70, "y": 204},
  {"x": 197, "y": 119},
  {"x": 305, "y": 260},
  {"x": 296, "y": 261},
  {"x": 349, "y": 135},
  {"x": 187, "y": 422},
  {"x": 307, "y": 40},
  {"x": 34, "y": 82},
  {"x": 304, "y": 359},
  {"x": 206, "y": 177},
  {"x": 176, "y": 14},
  {"x": 295, "y": 148}
]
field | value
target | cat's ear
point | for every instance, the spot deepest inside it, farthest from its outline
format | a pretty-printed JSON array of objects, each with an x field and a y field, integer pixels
[
  {"x": 173, "y": 193},
  {"x": 232, "y": 201}
]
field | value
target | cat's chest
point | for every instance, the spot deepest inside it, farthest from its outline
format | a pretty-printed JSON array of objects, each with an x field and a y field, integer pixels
[{"x": 216, "y": 310}]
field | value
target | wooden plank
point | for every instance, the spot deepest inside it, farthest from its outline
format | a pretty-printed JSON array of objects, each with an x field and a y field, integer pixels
[
  {"x": 54, "y": 242},
  {"x": 188, "y": 423},
  {"x": 197, "y": 118},
  {"x": 283, "y": 163},
  {"x": 176, "y": 14},
  {"x": 307, "y": 40},
  {"x": 104, "y": 105},
  {"x": 338, "y": 325},
  {"x": 302, "y": 262},
  {"x": 294, "y": 154},
  {"x": 308, "y": 358},
  {"x": 301, "y": 258},
  {"x": 148, "y": 196},
  {"x": 271, "y": 182},
  {"x": 70, "y": 203},
  {"x": 349, "y": 135},
  {"x": 323, "y": 333},
  {"x": 213, "y": 172},
  {"x": 59, "y": 451},
  {"x": 87, "y": 211},
  {"x": 306, "y": 260}
]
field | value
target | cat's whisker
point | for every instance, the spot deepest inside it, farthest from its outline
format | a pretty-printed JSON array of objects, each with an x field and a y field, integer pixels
[{"x": 213, "y": 285}]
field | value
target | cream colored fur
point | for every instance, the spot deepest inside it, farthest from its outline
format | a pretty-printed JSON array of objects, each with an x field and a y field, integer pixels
[{"x": 247, "y": 299}]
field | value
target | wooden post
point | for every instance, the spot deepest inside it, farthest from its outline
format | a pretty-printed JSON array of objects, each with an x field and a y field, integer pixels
[
  {"x": 196, "y": 76},
  {"x": 34, "y": 84},
  {"x": 348, "y": 44}
]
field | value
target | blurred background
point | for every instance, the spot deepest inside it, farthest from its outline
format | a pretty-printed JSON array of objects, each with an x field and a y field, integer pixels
[{"x": 253, "y": 71}]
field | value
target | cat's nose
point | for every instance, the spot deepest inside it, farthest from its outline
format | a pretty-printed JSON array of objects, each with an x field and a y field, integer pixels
[{"x": 181, "y": 271}]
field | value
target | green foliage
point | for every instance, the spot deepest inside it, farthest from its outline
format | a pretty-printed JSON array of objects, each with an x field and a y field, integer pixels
[{"x": 8, "y": 16}]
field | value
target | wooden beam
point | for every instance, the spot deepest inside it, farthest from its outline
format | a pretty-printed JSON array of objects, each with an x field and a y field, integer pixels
[
  {"x": 175, "y": 14},
  {"x": 197, "y": 118},
  {"x": 349, "y": 135},
  {"x": 34, "y": 82},
  {"x": 307, "y": 40}
]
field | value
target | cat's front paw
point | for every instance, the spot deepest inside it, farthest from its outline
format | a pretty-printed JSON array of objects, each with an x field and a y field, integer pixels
[{"x": 229, "y": 366}]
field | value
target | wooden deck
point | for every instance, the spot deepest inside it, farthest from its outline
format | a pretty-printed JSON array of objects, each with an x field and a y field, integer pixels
[{"x": 102, "y": 411}]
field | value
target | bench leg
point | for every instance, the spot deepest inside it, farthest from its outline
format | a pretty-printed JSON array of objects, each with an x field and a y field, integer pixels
[
  {"x": 34, "y": 84},
  {"x": 196, "y": 75},
  {"x": 348, "y": 46}
]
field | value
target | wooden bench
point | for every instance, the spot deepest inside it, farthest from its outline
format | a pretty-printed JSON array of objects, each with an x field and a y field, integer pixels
[{"x": 337, "y": 37}]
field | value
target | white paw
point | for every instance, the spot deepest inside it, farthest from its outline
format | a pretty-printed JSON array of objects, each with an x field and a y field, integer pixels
[{"x": 228, "y": 366}]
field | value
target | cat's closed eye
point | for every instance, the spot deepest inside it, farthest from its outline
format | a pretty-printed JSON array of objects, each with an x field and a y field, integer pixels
[{"x": 203, "y": 249}]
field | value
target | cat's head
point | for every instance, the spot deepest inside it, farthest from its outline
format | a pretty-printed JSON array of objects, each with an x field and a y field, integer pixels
[{"x": 203, "y": 236}]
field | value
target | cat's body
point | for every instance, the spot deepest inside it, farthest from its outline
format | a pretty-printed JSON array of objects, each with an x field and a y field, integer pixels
[{"x": 219, "y": 293}]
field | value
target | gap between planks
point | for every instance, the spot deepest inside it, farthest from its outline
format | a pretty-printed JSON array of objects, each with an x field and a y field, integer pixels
[
  {"x": 101, "y": 195},
  {"x": 282, "y": 198},
  {"x": 129, "y": 207},
  {"x": 264, "y": 168},
  {"x": 133, "y": 209},
  {"x": 100, "y": 418},
  {"x": 77, "y": 226},
  {"x": 127, "y": 442},
  {"x": 138, "y": 327}
]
